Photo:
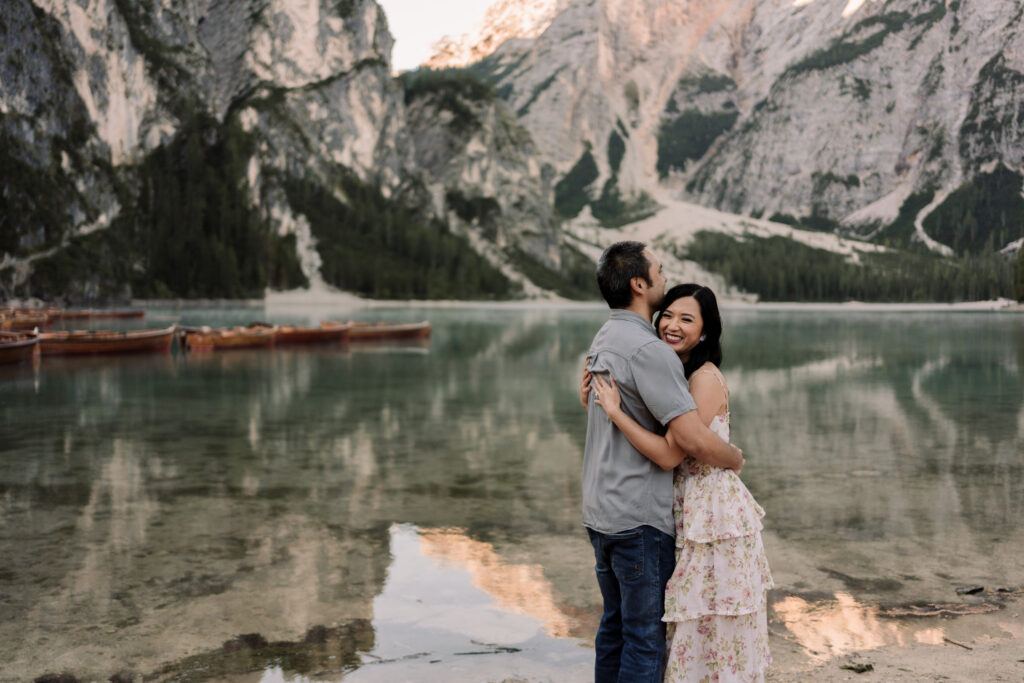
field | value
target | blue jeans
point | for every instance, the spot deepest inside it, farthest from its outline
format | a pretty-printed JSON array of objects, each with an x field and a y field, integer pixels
[{"x": 632, "y": 570}]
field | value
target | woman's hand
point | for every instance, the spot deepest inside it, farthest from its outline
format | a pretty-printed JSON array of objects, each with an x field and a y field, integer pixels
[
  {"x": 607, "y": 395},
  {"x": 585, "y": 384}
]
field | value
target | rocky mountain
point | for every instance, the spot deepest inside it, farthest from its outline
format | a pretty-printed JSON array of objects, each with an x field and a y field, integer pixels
[
  {"x": 895, "y": 121},
  {"x": 219, "y": 147},
  {"x": 482, "y": 166},
  {"x": 504, "y": 20}
]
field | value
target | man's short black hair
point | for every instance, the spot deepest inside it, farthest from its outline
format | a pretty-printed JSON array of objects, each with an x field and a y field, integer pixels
[{"x": 619, "y": 264}]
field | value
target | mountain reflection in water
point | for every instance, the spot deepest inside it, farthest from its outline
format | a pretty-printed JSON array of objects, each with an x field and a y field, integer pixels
[
  {"x": 520, "y": 588},
  {"x": 831, "y": 628}
]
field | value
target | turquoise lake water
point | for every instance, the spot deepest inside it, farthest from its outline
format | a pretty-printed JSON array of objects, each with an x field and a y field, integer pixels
[{"x": 423, "y": 500}]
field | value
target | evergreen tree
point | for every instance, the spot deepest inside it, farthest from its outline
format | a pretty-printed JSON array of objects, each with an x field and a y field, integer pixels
[{"x": 1019, "y": 285}]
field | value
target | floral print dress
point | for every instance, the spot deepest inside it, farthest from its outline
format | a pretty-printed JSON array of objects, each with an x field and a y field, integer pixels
[{"x": 716, "y": 600}]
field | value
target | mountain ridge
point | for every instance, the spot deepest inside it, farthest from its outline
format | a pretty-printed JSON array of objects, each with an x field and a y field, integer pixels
[
  {"x": 227, "y": 133},
  {"x": 739, "y": 72},
  {"x": 504, "y": 20},
  {"x": 191, "y": 148}
]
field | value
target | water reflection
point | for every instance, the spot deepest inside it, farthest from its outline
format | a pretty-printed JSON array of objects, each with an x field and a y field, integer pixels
[
  {"x": 841, "y": 626},
  {"x": 454, "y": 609},
  {"x": 891, "y": 451},
  {"x": 273, "y": 492},
  {"x": 520, "y": 588}
]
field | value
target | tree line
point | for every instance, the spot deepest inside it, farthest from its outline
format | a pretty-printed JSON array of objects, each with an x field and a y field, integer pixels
[
  {"x": 380, "y": 248},
  {"x": 779, "y": 269},
  {"x": 187, "y": 228}
]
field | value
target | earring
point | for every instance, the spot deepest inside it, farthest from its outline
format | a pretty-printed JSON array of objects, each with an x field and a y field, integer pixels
[{"x": 702, "y": 337}]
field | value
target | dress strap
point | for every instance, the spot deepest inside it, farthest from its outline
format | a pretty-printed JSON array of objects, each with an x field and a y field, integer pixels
[{"x": 716, "y": 376}]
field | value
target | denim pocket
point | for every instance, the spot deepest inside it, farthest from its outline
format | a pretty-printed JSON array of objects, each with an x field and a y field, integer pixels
[{"x": 628, "y": 556}]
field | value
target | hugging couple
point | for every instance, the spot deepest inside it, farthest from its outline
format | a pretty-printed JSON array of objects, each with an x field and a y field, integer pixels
[{"x": 676, "y": 534}]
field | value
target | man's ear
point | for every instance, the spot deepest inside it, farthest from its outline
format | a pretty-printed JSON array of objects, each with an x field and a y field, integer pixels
[{"x": 637, "y": 284}]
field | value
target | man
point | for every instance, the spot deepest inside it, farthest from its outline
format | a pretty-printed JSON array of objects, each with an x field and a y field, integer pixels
[{"x": 627, "y": 499}]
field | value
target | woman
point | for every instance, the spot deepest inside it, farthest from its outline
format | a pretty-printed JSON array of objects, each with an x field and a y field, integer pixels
[{"x": 716, "y": 600}]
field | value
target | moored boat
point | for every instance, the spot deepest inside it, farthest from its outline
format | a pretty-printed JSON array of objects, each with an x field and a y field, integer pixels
[
  {"x": 369, "y": 331},
  {"x": 326, "y": 333},
  {"x": 225, "y": 338},
  {"x": 12, "y": 320},
  {"x": 16, "y": 347},
  {"x": 119, "y": 313},
  {"x": 72, "y": 314},
  {"x": 106, "y": 341}
]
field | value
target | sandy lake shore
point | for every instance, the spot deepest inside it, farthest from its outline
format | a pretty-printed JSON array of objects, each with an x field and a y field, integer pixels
[{"x": 976, "y": 647}]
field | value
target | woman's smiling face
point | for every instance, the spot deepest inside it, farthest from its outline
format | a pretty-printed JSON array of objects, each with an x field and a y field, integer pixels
[{"x": 681, "y": 325}]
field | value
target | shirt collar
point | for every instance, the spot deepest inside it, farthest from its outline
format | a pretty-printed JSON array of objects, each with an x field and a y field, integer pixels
[{"x": 631, "y": 317}]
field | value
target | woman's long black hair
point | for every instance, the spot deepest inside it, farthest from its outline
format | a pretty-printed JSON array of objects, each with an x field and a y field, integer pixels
[{"x": 709, "y": 350}]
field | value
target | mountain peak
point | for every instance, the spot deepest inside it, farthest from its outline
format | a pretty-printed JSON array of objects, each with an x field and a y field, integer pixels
[{"x": 503, "y": 20}]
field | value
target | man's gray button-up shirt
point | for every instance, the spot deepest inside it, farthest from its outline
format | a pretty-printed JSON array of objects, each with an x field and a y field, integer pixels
[{"x": 622, "y": 489}]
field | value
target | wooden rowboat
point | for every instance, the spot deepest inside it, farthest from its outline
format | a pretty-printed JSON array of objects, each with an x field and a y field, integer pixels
[
  {"x": 367, "y": 331},
  {"x": 16, "y": 347},
  {"x": 101, "y": 313},
  {"x": 326, "y": 333},
  {"x": 77, "y": 314},
  {"x": 23, "y": 320},
  {"x": 225, "y": 338},
  {"x": 106, "y": 341}
]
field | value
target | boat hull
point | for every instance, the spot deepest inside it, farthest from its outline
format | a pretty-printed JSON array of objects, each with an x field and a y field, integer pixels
[
  {"x": 325, "y": 334},
  {"x": 17, "y": 348},
  {"x": 21, "y": 321},
  {"x": 382, "y": 331},
  {"x": 226, "y": 339},
  {"x": 100, "y": 313},
  {"x": 106, "y": 341}
]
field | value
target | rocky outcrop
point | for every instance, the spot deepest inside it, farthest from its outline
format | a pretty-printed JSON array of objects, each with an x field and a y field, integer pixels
[
  {"x": 480, "y": 169},
  {"x": 831, "y": 113},
  {"x": 111, "y": 109},
  {"x": 504, "y": 20},
  {"x": 898, "y": 122}
]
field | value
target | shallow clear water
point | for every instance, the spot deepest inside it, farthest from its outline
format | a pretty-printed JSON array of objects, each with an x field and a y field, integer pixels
[{"x": 427, "y": 495}]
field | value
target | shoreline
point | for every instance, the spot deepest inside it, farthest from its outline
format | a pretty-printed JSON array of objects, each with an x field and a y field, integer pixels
[
  {"x": 971, "y": 647},
  {"x": 313, "y": 300},
  {"x": 334, "y": 299}
]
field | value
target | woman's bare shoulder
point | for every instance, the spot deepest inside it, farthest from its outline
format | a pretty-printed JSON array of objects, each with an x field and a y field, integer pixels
[
  {"x": 708, "y": 375},
  {"x": 707, "y": 372}
]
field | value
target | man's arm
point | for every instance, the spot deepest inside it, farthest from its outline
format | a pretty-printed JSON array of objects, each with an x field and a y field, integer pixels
[
  {"x": 659, "y": 380},
  {"x": 653, "y": 446},
  {"x": 693, "y": 438},
  {"x": 667, "y": 451}
]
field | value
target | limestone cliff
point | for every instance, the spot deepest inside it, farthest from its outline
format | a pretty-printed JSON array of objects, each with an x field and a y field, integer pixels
[
  {"x": 832, "y": 113},
  {"x": 177, "y": 139},
  {"x": 245, "y": 144}
]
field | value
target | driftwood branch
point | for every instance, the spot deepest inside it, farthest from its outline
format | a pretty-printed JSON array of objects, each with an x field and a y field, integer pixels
[{"x": 953, "y": 642}]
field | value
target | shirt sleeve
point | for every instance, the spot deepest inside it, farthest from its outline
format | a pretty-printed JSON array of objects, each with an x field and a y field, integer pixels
[{"x": 661, "y": 383}]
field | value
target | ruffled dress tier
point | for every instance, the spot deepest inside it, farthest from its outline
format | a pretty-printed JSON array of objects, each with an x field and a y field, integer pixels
[{"x": 716, "y": 601}]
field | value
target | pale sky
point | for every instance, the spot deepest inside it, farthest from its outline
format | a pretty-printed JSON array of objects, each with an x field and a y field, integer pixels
[{"x": 416, "y": 24}]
